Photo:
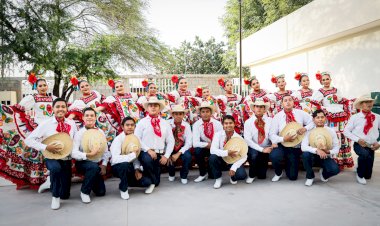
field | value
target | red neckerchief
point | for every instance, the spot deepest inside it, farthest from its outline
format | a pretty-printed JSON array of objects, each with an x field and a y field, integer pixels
[
  {"x": 62, "y": 127},
  {"x": 260, "y": 126},
  {"x": 155, "y": 122},
  {"x": 227, "y": 138},
  {"x": 178, "y": 132},
  {"x": 208, "y": 129},
  {"x": 369, "y": 123},
  {"x": 289, "y": 116}
]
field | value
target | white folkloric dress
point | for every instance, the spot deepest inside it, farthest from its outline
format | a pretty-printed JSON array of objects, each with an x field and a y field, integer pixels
[
  {"x": 263, "y": 95},
  {"x": 188, "y": 100},
  {"x": 20, "y": 164},
  {"x": 233, "y": 106},
  {"x": 304, "y": 98},
  {"x": 337, "y": 109}
]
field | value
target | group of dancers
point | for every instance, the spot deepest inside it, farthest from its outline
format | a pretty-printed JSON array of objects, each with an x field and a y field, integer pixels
[{"x": 45, "y": 141}]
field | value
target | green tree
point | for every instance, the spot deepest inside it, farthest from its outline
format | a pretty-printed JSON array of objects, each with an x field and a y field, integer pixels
[
  {"x": 78, "y": 37},
  {"x": 256, "y": 14},
  {"x": 198, "y": 57}
]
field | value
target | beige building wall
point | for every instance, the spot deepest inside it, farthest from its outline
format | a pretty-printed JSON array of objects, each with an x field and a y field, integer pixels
[{"x": 342, "y": 37}]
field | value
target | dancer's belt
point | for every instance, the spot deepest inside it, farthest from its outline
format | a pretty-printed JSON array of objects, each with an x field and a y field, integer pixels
[{"x": 159, "y": 151}]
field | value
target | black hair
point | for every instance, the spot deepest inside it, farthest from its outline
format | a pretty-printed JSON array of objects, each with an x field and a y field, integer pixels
[
  {"x": 59, "y": 99},
  {"x": 286, "y": 95},
  {"x": 39, "y": 80},
  {"x": 88, "y": 109},
  {"x": 81, "y": 82},
  {"x": 226, "y": 117},
  {"x": 316, "y": 112},
  {"x": 250, "y": 82},
  {"x": 180, "y": 78},
  {"x": 127, "y": 119}
]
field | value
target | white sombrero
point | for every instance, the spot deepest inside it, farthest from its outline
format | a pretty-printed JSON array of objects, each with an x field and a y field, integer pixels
[
  {"x": 291, "y": 129},
  {"x": 238, "y": 144},
  {"x": 154, "y": 100},
  {"x": 259, "y": 102},
  {"x": 320, "y": 138},
  {"x": 65, "y": 142},
  {"x": 178, "y": 108},
  {"x": 131, "y": 144},
  {"x": 206, "y": 104},
  {"x": 360, "y": 100},
  {"x": 94, "y": 138}
]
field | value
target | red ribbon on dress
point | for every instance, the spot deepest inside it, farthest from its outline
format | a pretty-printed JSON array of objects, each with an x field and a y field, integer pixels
[
  {"x": 369, "y": 123},
  {"x": 208, "y": 129},
  {"x": 178, "y": 132},
  {"x": 260, "y": 126},
  {"x": 289, "y": 116},
  {"x": 155, "y": 122},
  {"x": 62, "y": 127}
]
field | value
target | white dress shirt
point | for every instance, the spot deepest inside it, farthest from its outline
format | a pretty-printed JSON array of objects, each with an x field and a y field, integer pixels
[
  {"x": 199, "y": 138},
  {"x": 355, "y": 126},
  {"x": 188, "y": 136},
  {"x": 116, "y": 156},
  {"x": 305, "y": 145},
  {"x": 47, "y": 129},
  {"x": 217, "y": 148},
  {"x": 279, "y": 122},
  {"x": 78, "y": 153},
  {"x": 149, "y": 140},
  {"x": 251, "y": 134}
]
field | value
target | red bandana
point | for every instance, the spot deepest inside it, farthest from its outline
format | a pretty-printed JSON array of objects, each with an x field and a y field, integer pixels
[
  {"x": 227, "y": 138},
  {"x": 208, "y": 129},
  {"x": 260, "y": 126},
  {"x": 178, "y": 132},
  {"x": 289, "y": 116},
  {"x": 369, "y": 123},
  {"x": 62, "y": 127},
  {"x": 155, "y": 122}
]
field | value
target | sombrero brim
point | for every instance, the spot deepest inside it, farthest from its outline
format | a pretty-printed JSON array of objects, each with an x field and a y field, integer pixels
[
  {"x": 63, "y": 138},
  {"x": 292, "y": 126},
  {"x": 359, "y": 101},
  {"x": 159, "y": 102},
  {"x": 91, "y": 138},
  {"x": 320, "y": 131},
  {"x": 236, "y": 143},
  {"x": 129, "y": 142},
  {"x": 198, "y": 108},
  {"x": 252, "y": 105}
]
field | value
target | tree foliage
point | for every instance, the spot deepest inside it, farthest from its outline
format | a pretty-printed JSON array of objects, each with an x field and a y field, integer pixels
[
  {"x": 78, "y": 37},
  {"x": 198, "y": 57},
  {"x": 256, "y": 14}
]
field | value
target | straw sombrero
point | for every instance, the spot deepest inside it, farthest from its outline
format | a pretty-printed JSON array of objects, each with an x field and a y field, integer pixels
[
  {"x": 238, "y": 144},
  {"x": 178, "y": 108},
  {"x": 206, "y": 104},
  {"x": 291, "y": 129},
  {"x": 259, "y": 102},
  {"x": 130, "y": 144},
  {"x": 358, "y": 101},
  {"x": 64, "y": 140},
  {"x": 154, "y": 100},
  {"x": 94, "y": 138},
  {"x": 320, "y": 138}
]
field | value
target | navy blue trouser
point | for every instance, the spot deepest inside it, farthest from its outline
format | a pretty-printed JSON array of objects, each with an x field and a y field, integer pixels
[
  {"x": 292, "y": 159},
  {"x": 366, "y": 156},
  {"x": 258, "y": 163},
  {"x": 60, "y": 177},
  {"x": 126, "y": 172},
  {"x": 186, "y": 163},
  {"x": 329, "y": 166},
  {"x": 92, "y": 178},
  {"x": 200, "y": 158},
  {"x": 217, "y": 165},
  {"x": 151, "y": 167}
]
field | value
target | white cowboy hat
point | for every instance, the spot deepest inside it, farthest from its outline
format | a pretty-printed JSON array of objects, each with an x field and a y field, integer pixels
[
  {"x": 65, "y": 142},
  {"x": 94, "y": 138},
  {"x": 360, "y": 100},
  {"x": 259, "y": 102},
  {"x": 154, "y": 100},
  {"x": 206, "y": 104}
]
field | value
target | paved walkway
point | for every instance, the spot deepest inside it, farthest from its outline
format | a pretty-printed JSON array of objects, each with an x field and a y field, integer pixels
[{"x": 341, "y": 201}]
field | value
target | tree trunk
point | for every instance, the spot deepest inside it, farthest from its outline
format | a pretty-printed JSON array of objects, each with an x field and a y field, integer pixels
[{"x": 57, "y": 83}]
